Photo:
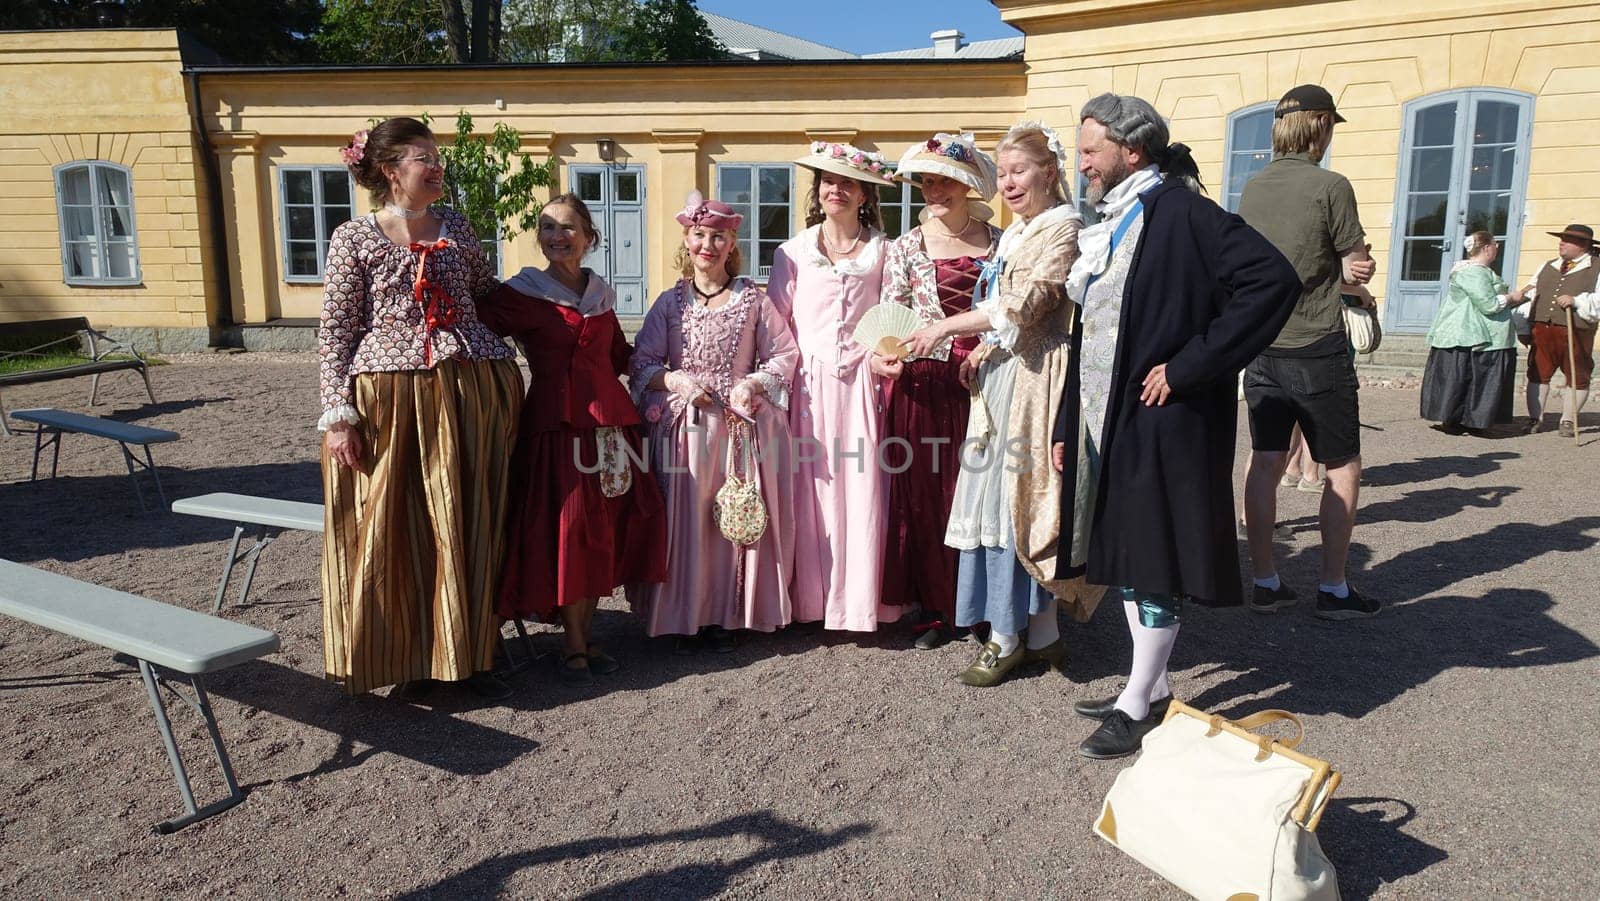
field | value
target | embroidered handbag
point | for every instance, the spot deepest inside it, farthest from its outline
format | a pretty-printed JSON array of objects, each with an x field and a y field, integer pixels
[
  {"x": 737, "y": 509},
  {"x": 616, "y": 476},
  {"x": 1223, "y": 813},
  {"x": 1361, "y": 325}
]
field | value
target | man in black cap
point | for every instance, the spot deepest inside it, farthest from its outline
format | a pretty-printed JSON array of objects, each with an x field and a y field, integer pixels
[
  {"x": 1566, "y": 283},
  {"x": 1307, "y": 376}
]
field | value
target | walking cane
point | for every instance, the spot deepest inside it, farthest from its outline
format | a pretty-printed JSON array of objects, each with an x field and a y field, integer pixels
[{"x": 1572, "y": 370}]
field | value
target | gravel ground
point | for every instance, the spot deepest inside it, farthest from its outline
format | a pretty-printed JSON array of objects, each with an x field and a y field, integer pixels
[{"x": 803, "y": 765}]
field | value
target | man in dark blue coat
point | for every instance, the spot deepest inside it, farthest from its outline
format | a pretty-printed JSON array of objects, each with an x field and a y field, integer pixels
[{"x": 1175, "y": 297}]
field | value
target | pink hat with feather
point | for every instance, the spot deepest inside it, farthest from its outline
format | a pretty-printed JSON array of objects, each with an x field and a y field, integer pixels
[{"x": 698, "y": 211}]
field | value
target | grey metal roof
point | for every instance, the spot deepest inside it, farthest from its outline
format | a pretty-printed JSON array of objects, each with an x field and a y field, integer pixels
[
  {"x": 736, "y": 35},
  {"x": 999, "y": 48}
]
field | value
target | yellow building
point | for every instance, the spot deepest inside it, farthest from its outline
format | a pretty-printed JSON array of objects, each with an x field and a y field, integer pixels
[{"x": 1479, "y": 114}]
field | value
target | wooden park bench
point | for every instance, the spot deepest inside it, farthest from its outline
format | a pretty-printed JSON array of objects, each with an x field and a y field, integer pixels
[
  {"x": 182, "y": 642},
  {"x": 267, "y": 516},
  {"x": 73, "y": 333},
  {"x": 54, "y": 423}
]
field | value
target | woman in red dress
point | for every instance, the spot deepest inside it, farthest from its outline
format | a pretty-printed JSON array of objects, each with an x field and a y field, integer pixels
[{"x": 587, "y": 518}]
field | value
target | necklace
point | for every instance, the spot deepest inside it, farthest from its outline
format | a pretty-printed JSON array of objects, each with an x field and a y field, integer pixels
[
  {"x": 952, "y": 233},
  {"x": 396, "y": 209},
  {"x": 847, "y": 251},
  {"x": 702, "y": 294}
]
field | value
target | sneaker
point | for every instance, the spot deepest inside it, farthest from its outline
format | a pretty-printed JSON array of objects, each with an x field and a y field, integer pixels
[
  {"x": 1280, "y": 532},
  {"x": 1289, "y": 480},
  {"x": 1353, "y": 607},
  {"x": 1267, "y": 600},
  {"x": 1310, "y": 486},
  {"x": 1568, "y": 430}
]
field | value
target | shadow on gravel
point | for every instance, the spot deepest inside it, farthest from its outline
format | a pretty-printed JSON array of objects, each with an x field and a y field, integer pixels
[
  {"x": 101, "y": 515},
  {"x": 429, "y": 737},
  {"x": 1306, "y": 665},
  {"x": 1363, "y": 839},
  {"x": 780, "y": 840},
  {"x": 161, "y": 408},
  {"x": 1426, "y": 470},
  {"x": 1422, "y": 505}
]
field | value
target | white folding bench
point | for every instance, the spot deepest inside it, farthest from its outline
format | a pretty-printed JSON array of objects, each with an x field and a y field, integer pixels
[
  {"x": 185, "y": 642},
  {"x": 54, "y": 423},
  {"x": 267, "y": 517}
]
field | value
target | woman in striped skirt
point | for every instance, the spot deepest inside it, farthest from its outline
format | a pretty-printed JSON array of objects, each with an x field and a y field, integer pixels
[{"x": 419, "y": 407}]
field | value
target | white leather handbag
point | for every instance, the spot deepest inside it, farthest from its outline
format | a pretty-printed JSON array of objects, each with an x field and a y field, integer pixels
[{"x": 1223, "y": 813}]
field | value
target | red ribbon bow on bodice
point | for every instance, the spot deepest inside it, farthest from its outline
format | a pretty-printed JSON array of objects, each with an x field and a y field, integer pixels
[{"x": 438, "y": 309}]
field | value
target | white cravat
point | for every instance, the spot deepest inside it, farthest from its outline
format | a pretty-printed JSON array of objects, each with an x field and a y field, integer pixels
[{"x": 1094, "y": 242}]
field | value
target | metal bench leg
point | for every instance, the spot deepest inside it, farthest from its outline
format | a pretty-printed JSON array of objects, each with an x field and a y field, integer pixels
[
  {"x": 129, "y": 460},
  {"x": 227, "y": 569},
  {"x": 40, "y": 442},
  {"x": 94, "y": 387},
  {"x": 201, "y": 704},
  {"x": 150, "y": 464},
  {"x": 145, "y": 371},
  {"x": 529, "y": 656},
  {"x": 263, "y": 536}
]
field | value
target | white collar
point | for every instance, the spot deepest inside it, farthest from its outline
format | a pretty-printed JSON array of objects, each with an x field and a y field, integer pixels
[
  {"x": 598, "y": 297},
  {"x": 1018, "y": 231},
  {"x": 1578, "y": 264},
  {"x": 811, "y": 240},
  {"x": 1094, "y": 242}
]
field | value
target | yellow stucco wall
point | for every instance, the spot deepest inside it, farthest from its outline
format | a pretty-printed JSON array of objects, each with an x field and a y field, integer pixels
[
  {"x": 121, "y": 96},
  {"x": 677, "y": 122},
  {"x": 117, "y": 97},
  {"x": 1199, "y": 62}
]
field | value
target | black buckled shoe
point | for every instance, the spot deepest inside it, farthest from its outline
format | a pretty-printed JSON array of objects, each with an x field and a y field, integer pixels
[
  {"x": 1118, "y": 736},
  {"x": 1099, "y": 710},
  {"x": 1270, "y": 600}
]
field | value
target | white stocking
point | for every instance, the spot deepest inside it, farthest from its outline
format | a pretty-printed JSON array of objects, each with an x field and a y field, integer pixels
[
  {"x": 1152, "y": 648},
  {"x": 1043, "y": 629}
]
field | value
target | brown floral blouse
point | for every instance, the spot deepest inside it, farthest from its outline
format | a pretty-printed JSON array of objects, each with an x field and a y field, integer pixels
[{"x": 372, "y": 320}]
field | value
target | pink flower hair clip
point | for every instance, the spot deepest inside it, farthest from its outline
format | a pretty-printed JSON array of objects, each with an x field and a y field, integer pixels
[{"x": 356, "y": 150}]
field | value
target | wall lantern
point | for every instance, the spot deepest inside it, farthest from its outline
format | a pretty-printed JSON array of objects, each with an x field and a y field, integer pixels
[{"x": 607, "y": 149}]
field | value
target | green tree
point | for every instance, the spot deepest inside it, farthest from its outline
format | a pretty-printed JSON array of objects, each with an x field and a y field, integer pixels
[
  {"x": 557, "y": 31},
  {"x": 491, "y": 181},
  {"x": 381, "y": 32},
  {"x": 245, "y": 31},
  {"x": 480, "y": 43},
  {"x": 662, "y": 30}
]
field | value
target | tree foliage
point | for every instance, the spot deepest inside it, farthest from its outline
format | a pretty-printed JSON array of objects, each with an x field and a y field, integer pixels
[
  {"x": 661, "y": 30},
  {"x": 381, "y": 32},
  {"x": 247, "y": 31},
  {"x": 491, "y": 181}
]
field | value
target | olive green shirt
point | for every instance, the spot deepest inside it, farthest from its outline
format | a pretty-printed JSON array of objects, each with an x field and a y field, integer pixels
[{"x": 1309, "y": 214}]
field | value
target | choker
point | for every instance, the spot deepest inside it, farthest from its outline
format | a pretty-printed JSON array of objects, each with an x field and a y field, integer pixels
[
  {"x": 400, "y": 211},
  {"x": 703, "y": 295}
]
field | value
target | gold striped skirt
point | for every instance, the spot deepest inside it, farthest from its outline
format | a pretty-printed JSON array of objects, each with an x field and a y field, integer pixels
[{"x": 414, "y": 537}]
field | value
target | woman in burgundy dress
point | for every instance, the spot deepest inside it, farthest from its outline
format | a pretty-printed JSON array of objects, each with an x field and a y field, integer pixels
[
  {"x": 933, "y": 269},
  {"x": 585, "y": 518}
]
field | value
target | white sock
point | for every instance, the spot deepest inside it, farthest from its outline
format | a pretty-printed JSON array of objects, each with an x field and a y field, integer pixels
[
  {"x": 1151, "y": 650},
  {"x": 1341, "y": 591},
  {"x": 1131, "y": 611},
  {"x": 1571, "y": 402},
  {"x": 1270, "y": 583},
  {"x": 1043, "y": 629},
  {"x": 1008, "y": 642},
  {"x": 1537, "y": 396}
]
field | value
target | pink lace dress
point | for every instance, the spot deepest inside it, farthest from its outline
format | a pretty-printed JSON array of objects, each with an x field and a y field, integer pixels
[{"x": 688, "y": 454}]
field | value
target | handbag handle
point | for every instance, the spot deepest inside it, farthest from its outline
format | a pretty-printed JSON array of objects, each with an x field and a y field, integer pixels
[{"x": 1255, "y": 721}]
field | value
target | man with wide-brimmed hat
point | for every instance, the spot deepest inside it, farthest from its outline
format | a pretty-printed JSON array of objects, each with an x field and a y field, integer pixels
[{"x": 1563, "y": 291}]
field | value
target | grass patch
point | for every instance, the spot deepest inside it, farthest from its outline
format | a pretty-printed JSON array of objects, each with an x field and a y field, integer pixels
[{"x": 10, "y": 365}]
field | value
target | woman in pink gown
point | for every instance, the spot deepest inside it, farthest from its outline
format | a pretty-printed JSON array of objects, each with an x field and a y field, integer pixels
[
  {"x": 714, "y": 350},
  {"x": 823, "y": 280}
]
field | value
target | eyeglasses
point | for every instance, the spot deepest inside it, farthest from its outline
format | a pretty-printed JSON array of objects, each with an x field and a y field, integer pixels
[{"x": 428, "y": 160}]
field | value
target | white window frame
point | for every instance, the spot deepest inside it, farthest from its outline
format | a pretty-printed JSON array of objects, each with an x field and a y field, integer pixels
[
  {"x": 102, "y": 261},
  {"x": 909, "y": 206},
  {"x": 751, "y": 246},
  {"x": 318, "y": 206},
  {"x": 1229, "y": 203}
]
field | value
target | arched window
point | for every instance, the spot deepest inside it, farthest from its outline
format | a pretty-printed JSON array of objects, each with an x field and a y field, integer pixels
[
  {"x": 99, "y": 245},
  {"x": 1248, "y": 150}
]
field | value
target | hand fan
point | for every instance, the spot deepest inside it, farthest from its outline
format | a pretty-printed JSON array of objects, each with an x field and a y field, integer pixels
[{"x": 885, "y": 327}]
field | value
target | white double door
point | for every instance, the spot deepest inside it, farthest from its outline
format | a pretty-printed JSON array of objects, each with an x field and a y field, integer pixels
[{"x": 615, "y": 197}]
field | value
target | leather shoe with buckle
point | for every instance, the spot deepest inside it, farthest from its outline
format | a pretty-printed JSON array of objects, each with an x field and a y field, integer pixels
[
  {"x": 1054, "y": 653},
  {"x": 1100, "y": 709},
  {"x": 1119, "y": 735},
  {"x": 990, "y": 668}
]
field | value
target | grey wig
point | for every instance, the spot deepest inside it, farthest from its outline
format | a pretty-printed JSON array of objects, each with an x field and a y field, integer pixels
[{"x": 1132, "y": 122}]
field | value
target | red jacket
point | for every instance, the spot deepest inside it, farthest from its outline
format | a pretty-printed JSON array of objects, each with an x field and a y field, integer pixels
[{"x": 574, "y": 361}]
